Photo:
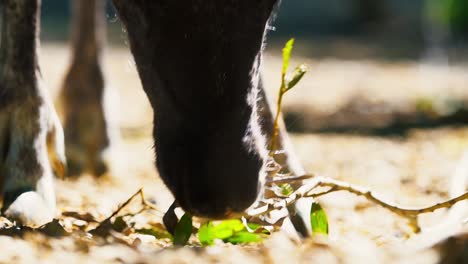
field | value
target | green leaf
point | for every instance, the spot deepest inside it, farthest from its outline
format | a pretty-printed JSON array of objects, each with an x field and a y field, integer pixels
[
  {"x": 293, "y": 78},
  {"x": 183, "y": 230},
  {"x": 225, "y": 229},
  {"x": 206, "y": 234},
  {"x": 235, "y": 225},
  {"x": 231, "y": 231},
  {"x": 286, "y": 189},
  {"x": 254, "y": 226},
  {"x": 318, "y": 219},
  {"x": 287, "y": 55},
  {"x": 244, "y": 237}
]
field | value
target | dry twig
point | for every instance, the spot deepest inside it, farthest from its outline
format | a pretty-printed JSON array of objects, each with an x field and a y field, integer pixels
[
  {"x": 146, "y": 205},
  {"x": 308, "y": 191}
]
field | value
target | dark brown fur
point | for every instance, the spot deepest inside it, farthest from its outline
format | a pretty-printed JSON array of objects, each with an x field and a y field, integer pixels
[
  {"x": 199, "y": 64},
  {"x": 18, "y": 58}
]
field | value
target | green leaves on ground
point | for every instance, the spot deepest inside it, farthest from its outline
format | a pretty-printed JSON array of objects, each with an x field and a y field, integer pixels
[
  {"x": 318, "y": 219},
  {"x": 183, "y": 230},
  {"x": 230, "y": 231}
]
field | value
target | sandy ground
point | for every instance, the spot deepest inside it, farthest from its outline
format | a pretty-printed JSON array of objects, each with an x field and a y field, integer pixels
[{"x": 415, "y": 170}]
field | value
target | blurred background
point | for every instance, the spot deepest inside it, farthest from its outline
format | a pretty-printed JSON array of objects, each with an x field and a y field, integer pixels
[
  {"x": 392, "y": 29},
  {"x": 376, "y": 65}
]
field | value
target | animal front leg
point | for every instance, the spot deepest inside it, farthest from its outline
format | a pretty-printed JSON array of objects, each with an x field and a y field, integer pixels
[
  {"x": 31, "y": 137},
  {"x": 85, "y": 122},
  {"x": 32, "y": 150}
]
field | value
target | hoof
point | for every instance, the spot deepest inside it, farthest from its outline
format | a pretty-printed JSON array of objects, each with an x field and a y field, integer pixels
[{"x": 30, "y": 209}]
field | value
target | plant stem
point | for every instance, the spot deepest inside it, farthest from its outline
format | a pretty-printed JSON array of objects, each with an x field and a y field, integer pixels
[{"x": 274, "y": 139}]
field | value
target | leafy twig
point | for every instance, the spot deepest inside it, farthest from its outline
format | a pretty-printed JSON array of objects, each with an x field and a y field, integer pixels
[{"x": 335, "y": 185}]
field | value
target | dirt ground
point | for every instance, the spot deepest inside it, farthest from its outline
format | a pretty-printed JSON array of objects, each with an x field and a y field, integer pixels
[{"x": 414, "y": 170}]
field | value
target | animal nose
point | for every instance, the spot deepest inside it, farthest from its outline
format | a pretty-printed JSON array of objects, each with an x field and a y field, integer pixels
[
  {"x": 212, "y": 183},
  {"x": 218, "y": 206},
  {"x": 221, "y": 193}
]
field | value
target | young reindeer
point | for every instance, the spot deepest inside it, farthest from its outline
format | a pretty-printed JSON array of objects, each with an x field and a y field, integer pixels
[{"x": 199, "y": 62}]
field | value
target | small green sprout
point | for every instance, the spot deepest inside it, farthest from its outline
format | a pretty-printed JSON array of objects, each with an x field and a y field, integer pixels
[
  {"x": 318, "y": 219},
  {"x": 288, "y": 81}
]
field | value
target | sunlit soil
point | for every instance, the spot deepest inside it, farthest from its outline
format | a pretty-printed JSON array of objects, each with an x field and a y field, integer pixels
[{"x": 414, "y": 171}]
